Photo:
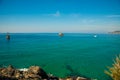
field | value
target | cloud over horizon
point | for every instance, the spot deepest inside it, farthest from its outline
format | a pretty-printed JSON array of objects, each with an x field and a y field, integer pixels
[
  {"x": 113, "y": 16},
  {"x": 56, "y": 14}
]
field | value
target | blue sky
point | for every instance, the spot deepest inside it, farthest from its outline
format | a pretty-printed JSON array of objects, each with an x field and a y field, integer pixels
[{"x": 94, "y": 16}]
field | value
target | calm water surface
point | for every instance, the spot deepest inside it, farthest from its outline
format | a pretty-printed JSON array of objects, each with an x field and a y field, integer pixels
[{"x": 72, "y": 54}]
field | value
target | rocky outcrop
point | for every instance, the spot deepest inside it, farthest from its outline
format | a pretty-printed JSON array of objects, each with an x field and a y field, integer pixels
[
  {"x": 33, "y": 73},
  {"x": 36, "y": 70},
  {"x": 115, "y": 32}
]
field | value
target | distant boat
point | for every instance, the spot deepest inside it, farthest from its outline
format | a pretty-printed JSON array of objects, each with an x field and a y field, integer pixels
[
  {"x": 8, "y": 36},
  {"x": 95, "y": 36},
  {"x": 61, "y": 34}
]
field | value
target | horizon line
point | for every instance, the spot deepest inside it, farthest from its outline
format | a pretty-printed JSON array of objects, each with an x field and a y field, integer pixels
[{"x": 56, "y": 32}]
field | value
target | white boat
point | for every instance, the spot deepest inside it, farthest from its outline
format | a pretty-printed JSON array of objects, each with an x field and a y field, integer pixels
[
  {"x": 60, "y": 34},
  {"x": 95, "y": 36}
]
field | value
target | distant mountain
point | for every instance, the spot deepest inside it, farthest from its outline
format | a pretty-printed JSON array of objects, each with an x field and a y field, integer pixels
[{"x": 115, "y": 32}]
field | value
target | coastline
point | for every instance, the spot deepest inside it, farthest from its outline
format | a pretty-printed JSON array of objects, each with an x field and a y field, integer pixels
[{"x": 32, "y": 73}]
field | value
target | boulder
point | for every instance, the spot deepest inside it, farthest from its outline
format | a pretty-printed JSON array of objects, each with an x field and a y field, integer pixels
[
  {"x": 3, "y": 71},
  {"x": 34, "y": 69},
  {"x": 81, "y": 78},
  {"x": 53, "y": 78},
  {"x": 69, "y": 78},
  {"x": 38, "y": 71},
  {"x": 10, "y": 70},
  {"x": 18, "y": 74}
]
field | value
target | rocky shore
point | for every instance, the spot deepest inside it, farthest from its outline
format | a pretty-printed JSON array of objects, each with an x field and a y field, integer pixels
[
  {"x": 32, "y": 73},
  {"x": 115, "y": 32}
]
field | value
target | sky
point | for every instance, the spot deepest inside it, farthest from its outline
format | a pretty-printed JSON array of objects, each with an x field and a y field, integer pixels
[{"x": 79, "y": 16}]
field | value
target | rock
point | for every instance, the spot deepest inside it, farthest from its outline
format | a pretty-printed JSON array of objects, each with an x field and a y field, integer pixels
[
  {"x": 61, "y": 79},
  {"x": 10, "y": 67},
  {"x": 33, "y": 73},
  {"x": 43, "y": 74},
  {"x": 3, "y": 71},
  {"x": 74, "y": 78},
  {"x": 81, "y": 78},
  {"x": 53, "y": 78},
  {"x": 18, "y": 74},
  {"x": 10, "y": 70},
  {"x": 34, "y": 76},
  {"x": 34, "y": 69},
  {"x": 37, "y": 70},
  {"x": 69, "y": 78},
  {"x": 25, "y": 74}
]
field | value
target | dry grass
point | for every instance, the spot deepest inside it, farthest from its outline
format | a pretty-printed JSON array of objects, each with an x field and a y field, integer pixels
[{"x": 114, "y": 72}]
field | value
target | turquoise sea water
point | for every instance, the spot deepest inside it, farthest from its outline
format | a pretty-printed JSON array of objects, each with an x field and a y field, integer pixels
[{"x": 70, "y": 55}]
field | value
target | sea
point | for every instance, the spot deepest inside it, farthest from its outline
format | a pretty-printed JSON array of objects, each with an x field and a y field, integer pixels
[{"x": 74, "y": 54}]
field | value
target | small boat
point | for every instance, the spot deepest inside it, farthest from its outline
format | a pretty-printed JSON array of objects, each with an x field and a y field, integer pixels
[
  {"x": 95, "y": 36},
  {"x": 8, "y": 36},
  {"x": 61, "y": 34}
]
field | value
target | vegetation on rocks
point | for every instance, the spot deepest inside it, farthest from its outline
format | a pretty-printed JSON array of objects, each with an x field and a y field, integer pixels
[{"x": 114, "y": 72}]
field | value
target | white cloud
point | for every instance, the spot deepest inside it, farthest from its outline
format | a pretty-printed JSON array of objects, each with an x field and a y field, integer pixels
[
  {"x": 113, "y": 16},
  {"x": 57, "y": 14},
  {"x": 75, "y": 15},
  {"x": 86, "y": 21}
]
